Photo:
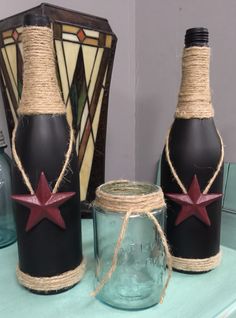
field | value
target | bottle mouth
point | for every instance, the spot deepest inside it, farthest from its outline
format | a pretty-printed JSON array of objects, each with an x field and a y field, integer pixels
[
  {"x": 196, "y": 37},
  {"x": 36, "y": 20}
]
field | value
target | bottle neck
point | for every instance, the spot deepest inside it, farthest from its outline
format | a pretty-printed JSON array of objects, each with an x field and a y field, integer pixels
[
  {"x": 194, "y": 96},
  {"x": 40, "y": 94}
]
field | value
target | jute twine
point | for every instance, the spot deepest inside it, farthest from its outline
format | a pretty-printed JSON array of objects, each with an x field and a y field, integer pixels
[
  {"x": 130, "y": 198},
  {"x": 195, "y": 265},
  {"x": 64, "y": 169},
  {"x": 41, "y": 96},
  {"x": 174, "y": 173},
  {"x": 195, "y": 97},
  {"x": 40, "y": 93},
  {"x": 54, "y": 283}
]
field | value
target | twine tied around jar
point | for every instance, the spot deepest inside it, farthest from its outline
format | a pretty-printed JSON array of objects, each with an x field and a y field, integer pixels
[{"x": 127, "y": 197}]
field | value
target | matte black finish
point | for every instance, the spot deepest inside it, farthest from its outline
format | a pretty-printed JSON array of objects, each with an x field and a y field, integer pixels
[
  {"x": 194, "y": 149},
  {"x": 196, "y": 37},
  {"x": 47, "y": 250}
]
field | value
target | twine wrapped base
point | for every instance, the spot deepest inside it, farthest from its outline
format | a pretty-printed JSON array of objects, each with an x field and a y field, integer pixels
[
  {"x": 54, "y": 283},
  {"x": 197, "y": 265}
]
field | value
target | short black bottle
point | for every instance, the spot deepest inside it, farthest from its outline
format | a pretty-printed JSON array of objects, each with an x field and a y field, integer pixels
[
  {"x": 196, "y": 154},
  {"x": 49, "y": 236}
]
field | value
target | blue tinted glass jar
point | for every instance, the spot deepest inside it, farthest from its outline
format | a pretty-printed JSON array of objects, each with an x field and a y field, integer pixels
[
  {"x": 138, "y": 279},
  {"x": 7, "y": 225}
]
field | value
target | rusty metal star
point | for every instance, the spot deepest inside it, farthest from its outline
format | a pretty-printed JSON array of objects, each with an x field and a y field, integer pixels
[
  {"x": 193, "y": 203},
  {"x": 43, "y": 204}
]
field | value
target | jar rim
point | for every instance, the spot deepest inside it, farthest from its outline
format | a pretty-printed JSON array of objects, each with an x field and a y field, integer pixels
[{"x": 129, "y": 188}]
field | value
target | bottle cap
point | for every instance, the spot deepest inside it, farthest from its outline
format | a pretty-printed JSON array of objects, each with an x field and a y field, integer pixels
[
  {"x": 196, "y": 37},
  {"x": 36, "y": 19}
]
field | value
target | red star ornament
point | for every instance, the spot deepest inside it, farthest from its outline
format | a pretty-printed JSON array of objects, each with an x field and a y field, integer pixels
[
  {"x": 43, "y": 204},
  {"x": 193, "y": 203}
]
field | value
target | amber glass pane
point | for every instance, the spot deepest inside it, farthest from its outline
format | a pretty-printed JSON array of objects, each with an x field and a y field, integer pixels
[
  {"x": 108, "y": 41},
  {"x": 7, "y": 34},
  {"x": 91, "y": 41},
  {"x": 70, "y": 28}
]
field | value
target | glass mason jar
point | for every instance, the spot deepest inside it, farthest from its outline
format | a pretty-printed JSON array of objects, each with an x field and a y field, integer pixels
[
  {"x": 138, "y": 279},
  {"x": 7, "y": 225}
]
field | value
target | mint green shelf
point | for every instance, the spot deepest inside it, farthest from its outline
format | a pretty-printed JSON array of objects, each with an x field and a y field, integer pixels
[{"x": 188, "y": 296}]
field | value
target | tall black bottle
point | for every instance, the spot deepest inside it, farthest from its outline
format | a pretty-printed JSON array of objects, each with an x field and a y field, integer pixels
[
  {"x": 49, "y": 244},
  {"x": 195, "y": 152}
]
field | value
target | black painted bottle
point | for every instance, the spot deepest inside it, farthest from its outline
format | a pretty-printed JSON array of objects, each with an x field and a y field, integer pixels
[
  {"x": 195, "y": 153},
  {"x": 49, "y": 237}
]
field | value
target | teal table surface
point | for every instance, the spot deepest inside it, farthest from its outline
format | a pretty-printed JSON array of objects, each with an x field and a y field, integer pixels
[{"x": 189, "y": 296}]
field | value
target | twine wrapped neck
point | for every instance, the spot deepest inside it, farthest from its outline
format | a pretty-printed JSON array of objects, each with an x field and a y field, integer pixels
[
  {"x": 127, "y": 197},
  {"x": 40, "y": 93},
  {"x": 195, "y": 97}
]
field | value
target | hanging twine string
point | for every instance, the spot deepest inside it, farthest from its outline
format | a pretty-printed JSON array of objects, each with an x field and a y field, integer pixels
[
  {"x": 174, "y": 173},
  {"x": 131, "y": 198},
  {"x": 40, "y": 93},
  {"x": 195, "y": 97},
  {"x": 22, "y": 170},
  {"x": 190, "y": 264}
]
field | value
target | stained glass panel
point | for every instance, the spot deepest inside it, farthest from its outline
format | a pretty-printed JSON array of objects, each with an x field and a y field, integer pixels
[
  {"x": 108, "y": 41},
  {"x": 20, "y": 45},
  {"x": 62, "y": 69},
  {"x": 10, "y": 73},
  {"x": 81, "y": 35},
  {"x": 83, "y": 120},
  {"x": 11, "y": 53},
  {"x": 97, "y": 114},
  {"x": 69, "y": 28},
  {"x": 91, "y": 41},
  {"x": 89, "y": 54},
  {"x": 91, "y": 33},
  {"x": 15, "y": 35},
  {"x": 8, "y": 41},
  {"x": 71, "y": 51},
  {"x": 11, "y": 106},
  {"x": 69, "y": 114},
  {"x": 95, "y": 73},
  {"x": 78, "y": 92},
  {"x": 70, "y": 37},
  {"x": 86, "y": 167},
  {"x": 7, "y": 34},
  {"x": 19, "y": 30}
]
